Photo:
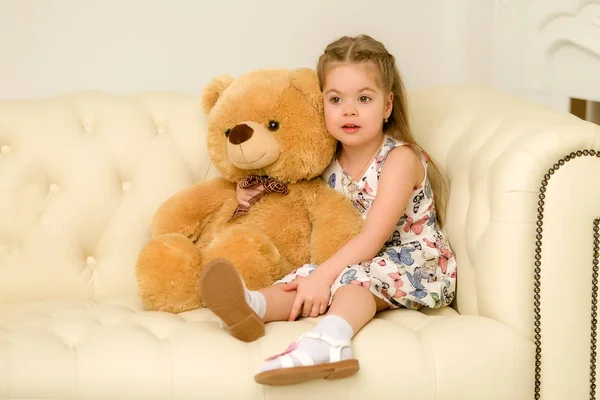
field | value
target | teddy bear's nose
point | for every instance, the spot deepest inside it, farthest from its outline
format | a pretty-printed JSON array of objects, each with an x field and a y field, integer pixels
[{"x": 240, "y": 133}]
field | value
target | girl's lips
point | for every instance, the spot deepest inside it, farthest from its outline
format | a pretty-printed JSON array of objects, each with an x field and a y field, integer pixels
[{"x": 350, "y": 128}]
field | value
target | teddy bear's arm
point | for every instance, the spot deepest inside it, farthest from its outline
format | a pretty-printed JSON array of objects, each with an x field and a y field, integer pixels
[
  {"x": 187, "y": 212},
  {"x": 334, "y": 222}
]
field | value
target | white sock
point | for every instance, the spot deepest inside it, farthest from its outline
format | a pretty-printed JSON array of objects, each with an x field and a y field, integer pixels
[
  {"x": 256, "y": 301},
  {"x": 332, "y": 325}
]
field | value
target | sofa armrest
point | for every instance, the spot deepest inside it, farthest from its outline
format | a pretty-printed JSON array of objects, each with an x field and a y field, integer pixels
[{"x": 524, "y": 197}]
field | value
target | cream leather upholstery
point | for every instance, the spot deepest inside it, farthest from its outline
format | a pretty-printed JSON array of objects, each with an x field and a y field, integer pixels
[{"x": 82, "y": 174}]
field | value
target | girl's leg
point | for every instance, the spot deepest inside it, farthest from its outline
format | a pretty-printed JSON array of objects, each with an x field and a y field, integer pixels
[
  {"x": 278, "y": 302},
  {"x": 356, "y": 305},
  {"x": 351, "y": 308},
  {"x": 325, "y": 352}
]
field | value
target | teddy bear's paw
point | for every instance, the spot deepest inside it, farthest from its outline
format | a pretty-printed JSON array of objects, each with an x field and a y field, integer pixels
[
  {"x": 167, "y": 272},
  {"x": 252, "y": 252}
]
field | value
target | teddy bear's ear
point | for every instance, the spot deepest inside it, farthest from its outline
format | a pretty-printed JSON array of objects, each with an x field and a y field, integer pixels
[
  {"x": 213, "y": 90},
  {"x": 307, "y": 81}
]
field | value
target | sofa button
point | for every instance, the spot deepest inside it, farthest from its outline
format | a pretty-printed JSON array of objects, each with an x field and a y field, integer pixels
[
  {"x": 54, "y": 188},
  {"x": 126, "y": 186},
  {"x": 90, "y": 261},
  {"x": 5, "y": 150},
  {"x": 88, "y": 128},
  {"x": 160, "y": 129}
]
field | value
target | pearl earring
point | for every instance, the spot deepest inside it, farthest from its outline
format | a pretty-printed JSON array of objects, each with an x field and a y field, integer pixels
[{"x": 385, "y": 120}]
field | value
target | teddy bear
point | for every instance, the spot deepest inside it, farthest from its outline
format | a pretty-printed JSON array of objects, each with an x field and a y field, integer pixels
[{"x": 265, "y": 127}]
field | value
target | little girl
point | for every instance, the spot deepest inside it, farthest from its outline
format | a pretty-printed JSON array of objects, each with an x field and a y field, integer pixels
[{"x": 399, "y": 259}]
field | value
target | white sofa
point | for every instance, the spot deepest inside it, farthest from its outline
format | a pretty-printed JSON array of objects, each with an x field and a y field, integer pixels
[{"x": 81, "y": 175}]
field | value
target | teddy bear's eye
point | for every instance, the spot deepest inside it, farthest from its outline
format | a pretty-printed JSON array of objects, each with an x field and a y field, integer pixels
[
  {"x": 227, "y": 132},
  {"x": 273, "y": 125}
]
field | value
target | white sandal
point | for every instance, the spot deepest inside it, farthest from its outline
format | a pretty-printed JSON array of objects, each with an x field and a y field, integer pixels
[{"x": 288, "y": 374}]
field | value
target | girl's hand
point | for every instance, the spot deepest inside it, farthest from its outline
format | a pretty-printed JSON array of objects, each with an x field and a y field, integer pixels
[
  {"x": 312, "y": 297},
  {"x": 244, "y": 196}
]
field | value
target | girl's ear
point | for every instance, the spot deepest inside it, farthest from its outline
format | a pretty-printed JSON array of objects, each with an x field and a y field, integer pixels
[{"x": 389, "y": 105}]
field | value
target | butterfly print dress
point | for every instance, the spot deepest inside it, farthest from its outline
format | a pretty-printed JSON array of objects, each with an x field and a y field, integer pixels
[{"x": 416, "y": 266}]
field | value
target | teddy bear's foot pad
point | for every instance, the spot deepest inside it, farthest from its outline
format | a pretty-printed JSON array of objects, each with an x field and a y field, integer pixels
[{"x": 222, "y": 292}]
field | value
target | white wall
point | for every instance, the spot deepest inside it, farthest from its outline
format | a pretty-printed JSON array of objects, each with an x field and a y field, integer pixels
[
  {"x": 123, "y": 46},
  {"x": 547, "y": 50}
]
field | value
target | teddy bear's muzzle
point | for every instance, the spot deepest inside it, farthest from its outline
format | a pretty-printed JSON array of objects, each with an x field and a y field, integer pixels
[{"x": 252, "y": 146}]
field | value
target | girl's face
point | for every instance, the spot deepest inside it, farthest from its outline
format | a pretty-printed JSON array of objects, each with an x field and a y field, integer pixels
[{"x": 355, "y": 104}]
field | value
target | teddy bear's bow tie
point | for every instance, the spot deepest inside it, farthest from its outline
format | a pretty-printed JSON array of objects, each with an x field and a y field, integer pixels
[{"x": 271, "y": 185}]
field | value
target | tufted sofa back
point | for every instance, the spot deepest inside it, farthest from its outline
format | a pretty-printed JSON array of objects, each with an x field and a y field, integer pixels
[{"x": 80, "y": 177}]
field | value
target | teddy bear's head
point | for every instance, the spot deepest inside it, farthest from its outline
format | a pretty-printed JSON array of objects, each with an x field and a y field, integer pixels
[{"x": 268, "y": 122}]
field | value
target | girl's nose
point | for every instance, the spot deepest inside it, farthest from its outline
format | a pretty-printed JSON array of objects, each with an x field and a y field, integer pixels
[{"x": 350, "y": 111}]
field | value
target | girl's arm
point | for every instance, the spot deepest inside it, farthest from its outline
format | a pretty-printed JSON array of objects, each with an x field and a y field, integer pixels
[{"x": 401, "y": 172}]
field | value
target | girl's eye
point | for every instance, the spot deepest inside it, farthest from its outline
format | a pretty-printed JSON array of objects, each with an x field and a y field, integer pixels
[
  {"x": 335, "y": 100},
  {"x": 364, "y": 99}
]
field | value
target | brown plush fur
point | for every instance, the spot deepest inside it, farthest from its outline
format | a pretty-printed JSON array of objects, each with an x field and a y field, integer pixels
[{"x": 280, "y": 232}]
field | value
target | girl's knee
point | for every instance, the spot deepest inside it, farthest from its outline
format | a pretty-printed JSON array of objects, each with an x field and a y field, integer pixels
[
  {"x": 354, "y": 300},
  {"x": 361, "y": 294},
  {"x": 353, "y": 291}
]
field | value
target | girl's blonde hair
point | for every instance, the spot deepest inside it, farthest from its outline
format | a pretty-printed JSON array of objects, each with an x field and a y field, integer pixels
[{"x": 363, "y": 48}]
